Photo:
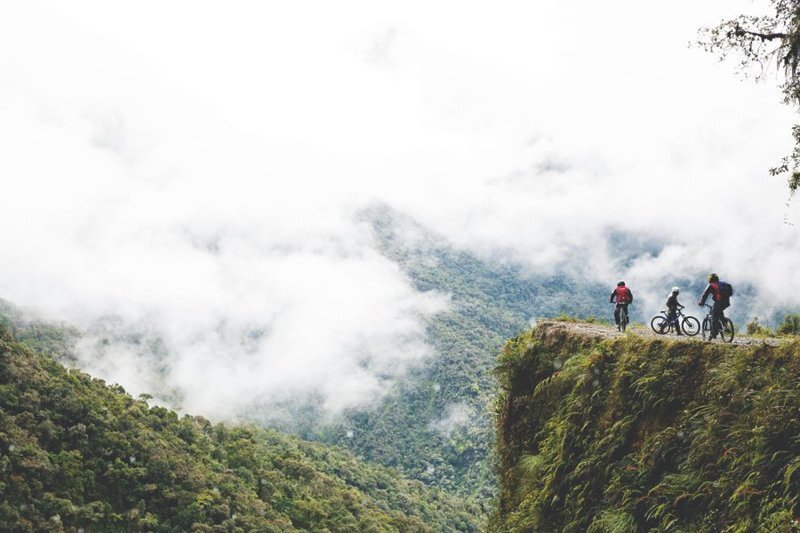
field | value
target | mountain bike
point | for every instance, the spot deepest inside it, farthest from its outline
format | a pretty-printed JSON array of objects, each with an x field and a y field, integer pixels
[
  {"x": 662, "y": 324},
  {"x": 724, "y": 326},
  {"x": 623, "y": 318}
]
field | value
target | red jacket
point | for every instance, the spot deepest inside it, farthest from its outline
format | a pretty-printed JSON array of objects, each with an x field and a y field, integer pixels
[
  {"x": 712, "y": 290},
  {"x": 622, "y": 295}
]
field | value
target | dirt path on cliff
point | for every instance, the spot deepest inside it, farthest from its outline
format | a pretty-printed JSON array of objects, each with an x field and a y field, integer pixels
[{"x": 610, "y": 331}]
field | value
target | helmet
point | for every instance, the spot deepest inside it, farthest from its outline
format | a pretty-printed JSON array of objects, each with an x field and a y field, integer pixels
[
  {"x": 620, "y": 283},
  {"x": 675, "y": 290},
  {"x": 712, "y": 278}
]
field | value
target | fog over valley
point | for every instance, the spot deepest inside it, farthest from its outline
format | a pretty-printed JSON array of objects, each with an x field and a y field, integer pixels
[{"x": 195, "y": 188}]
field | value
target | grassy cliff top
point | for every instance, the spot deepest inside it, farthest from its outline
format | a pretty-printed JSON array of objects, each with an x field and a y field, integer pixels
[{"x": 599, "y": 431}]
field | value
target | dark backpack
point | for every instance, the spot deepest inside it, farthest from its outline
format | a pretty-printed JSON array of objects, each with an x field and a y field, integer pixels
[{"x": 725, "y": 290}]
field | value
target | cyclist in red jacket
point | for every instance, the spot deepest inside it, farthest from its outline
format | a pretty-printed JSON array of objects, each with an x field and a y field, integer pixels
[
  {"x": 623, "y": 296},
  {"x": 721, "y": 301}
]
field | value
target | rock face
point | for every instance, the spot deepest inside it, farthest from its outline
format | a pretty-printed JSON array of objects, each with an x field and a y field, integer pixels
[{"x": 605, "y": 432}]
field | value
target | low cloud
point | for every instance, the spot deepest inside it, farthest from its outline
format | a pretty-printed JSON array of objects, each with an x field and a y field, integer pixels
[
  {"x": 194, "y": 203},
  {"x": 455, "y": 417}
]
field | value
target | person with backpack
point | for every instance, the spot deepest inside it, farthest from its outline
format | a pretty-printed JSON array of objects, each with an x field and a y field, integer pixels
[
  {"x": 720, "y": 293},
  {"x": 623, "y": 296},
  {"x": 672, "y": 309}
]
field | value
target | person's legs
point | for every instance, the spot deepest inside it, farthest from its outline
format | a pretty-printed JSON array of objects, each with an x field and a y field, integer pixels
[
  {"x": 716, "y": 312},
  {"x": 673, "y": 318}
]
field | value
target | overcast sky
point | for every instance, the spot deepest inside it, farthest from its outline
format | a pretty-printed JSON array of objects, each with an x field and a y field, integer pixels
[{"x": 194, "y": 168}]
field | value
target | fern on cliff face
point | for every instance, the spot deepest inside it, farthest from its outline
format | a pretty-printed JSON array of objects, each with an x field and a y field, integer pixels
[{"x": 633, "y": 434}]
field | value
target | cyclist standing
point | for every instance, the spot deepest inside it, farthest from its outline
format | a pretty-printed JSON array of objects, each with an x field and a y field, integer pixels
[
  {"x": 623, "y": 296},
  {"x": 672, "y": 308},
  {"x": 721, "y": 302}
]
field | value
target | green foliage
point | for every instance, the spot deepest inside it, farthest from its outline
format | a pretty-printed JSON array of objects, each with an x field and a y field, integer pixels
[
  {"x": 563, "y": 317},
  {"x": 613, "y": 521},
  {"x": 635, "y": 434},
  {"x": 755, "y": 329},
  {"x": 411, "y": 430},
  {"x": 491, "y": 300},
  {"x": 57, "y": 340},
  {"x": 75, "y": 453},
  {"x": 790, "y": 325}
]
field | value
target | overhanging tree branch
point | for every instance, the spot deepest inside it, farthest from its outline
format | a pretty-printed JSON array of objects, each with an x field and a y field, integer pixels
[
  {"x": 764, "y": 41},
  {"x": 738, "y": 31}
]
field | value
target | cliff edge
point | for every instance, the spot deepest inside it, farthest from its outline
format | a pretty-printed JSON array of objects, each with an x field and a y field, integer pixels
[{"x": 605, "y": 432}]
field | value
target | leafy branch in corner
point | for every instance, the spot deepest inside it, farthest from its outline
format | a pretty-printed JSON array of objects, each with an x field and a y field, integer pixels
[{"x": 766, "y": 42}]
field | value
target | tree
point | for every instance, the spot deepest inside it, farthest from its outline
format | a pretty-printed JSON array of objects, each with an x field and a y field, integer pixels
[
  {"x": 765, "y": 43},
  {"x": 790, "y": 325},
  {"x": 754, "y": 327}
]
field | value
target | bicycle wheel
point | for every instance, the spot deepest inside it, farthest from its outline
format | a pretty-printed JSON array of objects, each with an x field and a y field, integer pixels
[
  {"x": 623, "y": 319},
  {"x": 726, "y": 330},
  {"x": 660, "y": 324},
  {"x": 706, "y": 329},
  {"x": 690, "y": 325}
]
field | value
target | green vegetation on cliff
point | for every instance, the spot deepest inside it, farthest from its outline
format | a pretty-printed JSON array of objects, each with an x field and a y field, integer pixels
[
  {"x": 636, "y": 434},
  {"x": 77, "y": 455}
]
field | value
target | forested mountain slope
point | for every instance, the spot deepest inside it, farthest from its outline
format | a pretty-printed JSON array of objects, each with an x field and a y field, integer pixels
[
  {"x": 77, "y": 455},
  {"x": 436, "y": 425},
  {"x": 600, "y": 432}
]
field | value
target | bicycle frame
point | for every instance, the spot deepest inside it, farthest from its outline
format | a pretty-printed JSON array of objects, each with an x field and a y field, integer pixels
[
  {"x": 624, "y": 318},
  {"x": 721, "y": 323},
  {"x": 710, "y": 315},
  {"x": 681, "y": 323},
  {"x": 678, "y": 316}
]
